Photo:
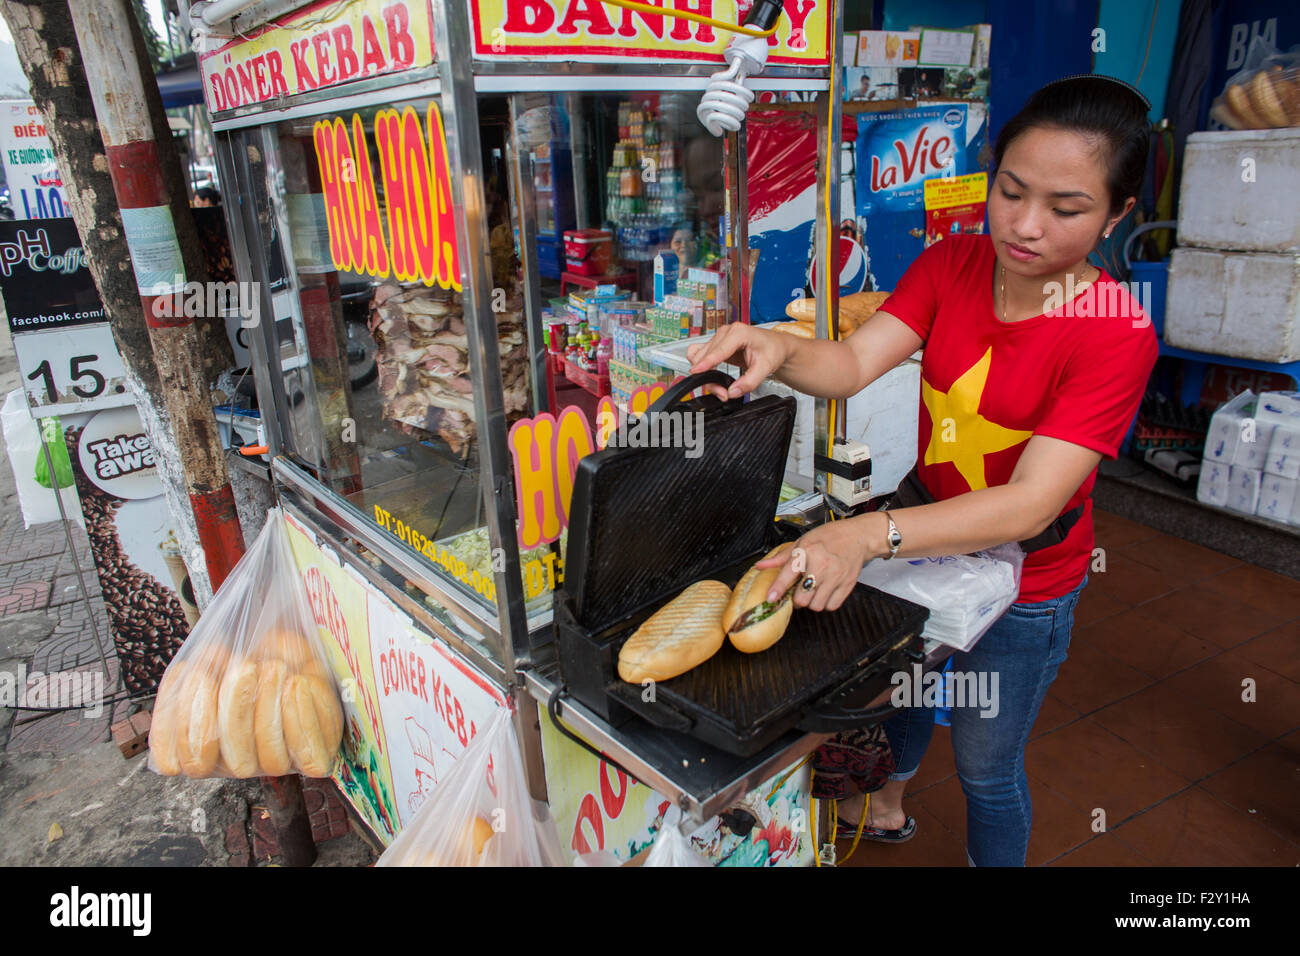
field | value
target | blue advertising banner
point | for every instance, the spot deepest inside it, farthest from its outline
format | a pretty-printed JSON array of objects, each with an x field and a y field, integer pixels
[{"x": 897, "y": 152}]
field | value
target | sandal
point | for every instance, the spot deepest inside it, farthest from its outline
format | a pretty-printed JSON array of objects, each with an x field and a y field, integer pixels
[
  {"x": 847, "y": 831},
  {"x": 844, "y": 830}
]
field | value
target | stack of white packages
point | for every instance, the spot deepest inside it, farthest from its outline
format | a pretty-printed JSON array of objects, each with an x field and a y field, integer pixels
[
  {"x": 1279, "y": 495},
  {"x": 1252, "y": 456},
  {"x": 965, "y": 593}
]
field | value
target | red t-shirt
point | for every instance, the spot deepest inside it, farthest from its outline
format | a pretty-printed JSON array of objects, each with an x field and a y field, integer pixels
[{"x": 1076, "y": 373}]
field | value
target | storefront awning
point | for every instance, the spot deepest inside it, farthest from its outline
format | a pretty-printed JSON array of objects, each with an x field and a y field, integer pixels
[{"x": 183, "y": 87}]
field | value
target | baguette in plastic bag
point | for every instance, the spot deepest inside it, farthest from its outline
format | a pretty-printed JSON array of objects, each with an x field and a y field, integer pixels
[
  {"x": 251, "y": 692},
  {"x": 1264, "y": 93},
  {"x": 480, "y": 813}
]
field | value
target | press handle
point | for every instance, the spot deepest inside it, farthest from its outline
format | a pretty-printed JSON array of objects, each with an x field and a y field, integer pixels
[
  {"x": 826, "y": 719},
  {"x": 826, "y": 716},
  {"x": 687, "y": 385}
]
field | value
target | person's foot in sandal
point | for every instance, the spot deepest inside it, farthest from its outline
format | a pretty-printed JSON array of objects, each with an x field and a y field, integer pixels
[
  {"x": 883, "y": 824},
  {"x": 847, "y": 831}
]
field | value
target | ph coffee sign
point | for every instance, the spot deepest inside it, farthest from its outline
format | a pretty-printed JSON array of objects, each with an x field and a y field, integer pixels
[{"x": 66, "y": 353}]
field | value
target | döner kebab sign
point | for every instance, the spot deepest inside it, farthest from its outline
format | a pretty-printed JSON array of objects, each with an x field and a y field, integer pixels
[{"x": 318, "y": 47}]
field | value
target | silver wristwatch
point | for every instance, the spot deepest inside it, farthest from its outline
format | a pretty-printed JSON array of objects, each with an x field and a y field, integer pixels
[{"x": 893, "y": 539}]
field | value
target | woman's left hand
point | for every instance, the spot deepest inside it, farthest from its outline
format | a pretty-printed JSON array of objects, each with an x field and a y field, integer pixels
[{"x": 832, "y": 554}]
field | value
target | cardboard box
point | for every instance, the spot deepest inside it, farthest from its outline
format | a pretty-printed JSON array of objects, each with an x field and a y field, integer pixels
[{"x": 888, "y": 48}]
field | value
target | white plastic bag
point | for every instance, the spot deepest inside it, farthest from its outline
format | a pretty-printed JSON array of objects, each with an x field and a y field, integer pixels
[
  {"x": 1264, "y": 93},
  {"x": 672, "y": 848},
  {"x": 481, "y": 813},
  {"x": 965, "y": 593},
  {"x": 601, "y": 858},
  {"x": 251, "y": 692},
  {"x": 32, "y": 478}
]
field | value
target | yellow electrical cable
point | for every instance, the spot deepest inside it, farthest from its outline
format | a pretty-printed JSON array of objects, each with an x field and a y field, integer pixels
[
  {"x": 866, "y": 804},
  {"x": 786, "y": 776},
  {"x": 687, "y": 15},
  {"x": 817, "y": 859}
]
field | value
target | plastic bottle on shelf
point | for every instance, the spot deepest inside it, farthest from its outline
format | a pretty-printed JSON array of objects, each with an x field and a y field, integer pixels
[{"x": 604, "y": 351}]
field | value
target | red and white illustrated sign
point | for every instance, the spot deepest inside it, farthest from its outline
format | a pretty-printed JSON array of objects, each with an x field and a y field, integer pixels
[
  {"x": 432, "y": 705},
  {"x": 320, "y": 46},
  {"x": 591, "y": 31}
]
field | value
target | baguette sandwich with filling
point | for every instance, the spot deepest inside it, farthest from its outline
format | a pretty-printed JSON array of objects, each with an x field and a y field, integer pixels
[{"x": 768, "y": 623}]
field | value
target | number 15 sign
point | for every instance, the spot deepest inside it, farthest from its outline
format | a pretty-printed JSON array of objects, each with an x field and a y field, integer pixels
[{"x": 66, "y": 354}]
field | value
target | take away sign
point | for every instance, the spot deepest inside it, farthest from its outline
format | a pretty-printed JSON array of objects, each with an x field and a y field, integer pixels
[
  {"x": 591, "y": 31},
  {"x": 318, "y": 47}
]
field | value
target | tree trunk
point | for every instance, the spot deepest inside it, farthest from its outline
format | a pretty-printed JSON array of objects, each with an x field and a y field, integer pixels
[
  {"x": 48, "y": 50},
  {"x": 47, "y": 46}
]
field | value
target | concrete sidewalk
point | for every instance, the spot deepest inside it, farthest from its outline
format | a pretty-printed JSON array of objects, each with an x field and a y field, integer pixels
[{"x": 63, "y": 769}]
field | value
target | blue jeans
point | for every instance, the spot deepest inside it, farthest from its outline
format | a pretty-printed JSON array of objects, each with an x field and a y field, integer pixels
[{"x": 1023, "y": 649}]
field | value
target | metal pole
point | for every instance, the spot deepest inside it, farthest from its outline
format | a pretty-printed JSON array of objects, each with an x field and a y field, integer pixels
[
  {"x": 578, "y": 151},
  {"x": 736, "y": 146},
  {"x": 829, "y": 114},
  {"x": 460, "y": 116},
  {"x": 72, "y": 548},
  {"x": 524, "y": 203}
]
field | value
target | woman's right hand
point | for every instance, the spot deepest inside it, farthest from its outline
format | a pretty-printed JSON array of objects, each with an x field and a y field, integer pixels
[{"x": 756, "y": 352}]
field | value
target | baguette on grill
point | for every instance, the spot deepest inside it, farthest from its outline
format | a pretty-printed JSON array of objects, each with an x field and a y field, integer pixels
[
  {"x": 750, "y": 592},
  {"x": 682, "y": 634}
]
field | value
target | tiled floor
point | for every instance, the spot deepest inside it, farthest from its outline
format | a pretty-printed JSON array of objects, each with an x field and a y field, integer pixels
[{"x": 1177, "y": 715}]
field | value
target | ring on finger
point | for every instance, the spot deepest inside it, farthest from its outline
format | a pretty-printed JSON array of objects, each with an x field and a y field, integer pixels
[{"x": 809, "y": 583}]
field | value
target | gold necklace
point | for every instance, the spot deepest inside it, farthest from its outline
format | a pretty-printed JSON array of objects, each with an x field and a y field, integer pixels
[{"x": 1002, "y": 285}]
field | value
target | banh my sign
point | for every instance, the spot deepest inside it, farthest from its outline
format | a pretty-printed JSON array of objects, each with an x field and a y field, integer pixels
[{"x": 589, "y": 30}]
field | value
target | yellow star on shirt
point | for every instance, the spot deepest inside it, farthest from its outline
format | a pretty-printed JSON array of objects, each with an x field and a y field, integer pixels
[{"x": 955, "y": 415}]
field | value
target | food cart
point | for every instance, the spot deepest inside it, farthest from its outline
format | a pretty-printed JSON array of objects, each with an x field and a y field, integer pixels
[{"x": 384, "y": 155}]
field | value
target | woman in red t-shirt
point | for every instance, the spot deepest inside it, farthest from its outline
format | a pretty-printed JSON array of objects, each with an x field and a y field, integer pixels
[{"x": 1034, "y": 365}]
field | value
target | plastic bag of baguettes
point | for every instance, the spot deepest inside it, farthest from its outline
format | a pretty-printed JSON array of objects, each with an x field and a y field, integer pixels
[
  {"x": 1265, "y": 93},
  {"x": 480, "y": 812},
  {"x": 251, "y": 692}
]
